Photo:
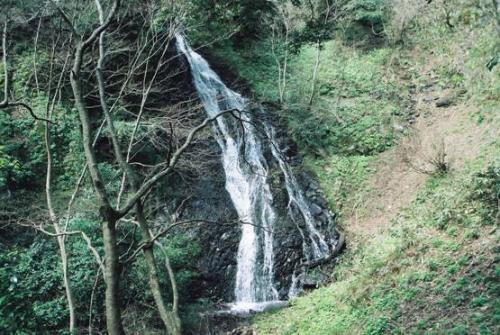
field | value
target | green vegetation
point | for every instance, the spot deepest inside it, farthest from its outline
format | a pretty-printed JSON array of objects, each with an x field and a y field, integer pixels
[
  {"x": 432, "y": 272},
  {"x": 347, "y": 79},
  {"x": 358, "y": 96}
]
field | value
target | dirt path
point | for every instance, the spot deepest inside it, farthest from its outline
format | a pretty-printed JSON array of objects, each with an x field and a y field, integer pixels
[{"x": 395, "y": 183}]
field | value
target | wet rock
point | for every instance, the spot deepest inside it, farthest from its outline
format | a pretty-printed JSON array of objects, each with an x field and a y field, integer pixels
[
  {"x": 324, "y": 220},
  {"x": 290, "y": 150},
  {"x": 310, "y": 281},
  {"x": 288, "y": 243},
  {"x": 219, "y": 242},
  {"x": 283, "y": 292},
  {"x": 313, "y": 185},
  {"x": 322, "y": 202},
  {"x": 315, "y": 209}
]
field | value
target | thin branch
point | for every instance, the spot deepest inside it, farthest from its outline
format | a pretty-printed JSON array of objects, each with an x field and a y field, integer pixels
[
  {"x": 102, "y": 27},
  {"x": 171, "y": 275},
  {"x": 73, "y": 232},
  {"x": 96, "y": 280},
  {"x": 175, "y": 157},
  {"x": 5, "y": 68},
  {"x": 162, "y": 233},
  {"x": 65, "y": 18},
  {"x": 5, "y": 102},
  {"x": 28, "y": 108},
  {"x": 340, "y": 245}
]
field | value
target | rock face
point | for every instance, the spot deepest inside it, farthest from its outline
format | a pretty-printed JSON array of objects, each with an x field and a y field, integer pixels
[
  {"x": 204, "y": 199},
  {"x": 219, "y": 237}
]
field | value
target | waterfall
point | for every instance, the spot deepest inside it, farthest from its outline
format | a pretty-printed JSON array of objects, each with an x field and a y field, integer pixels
[
  {"x": 314, "y": 245},
  {"x": 246, "y": 173},
  {"x": 246, "y": 181}
]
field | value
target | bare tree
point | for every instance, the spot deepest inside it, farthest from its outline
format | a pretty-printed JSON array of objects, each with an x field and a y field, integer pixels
[
  {"x": 403, "y": 13},
  {"x": 425, "y": 158},
  {"x": 116, "y": 91},
  {"x": 323, "y": 13},
  {"x": 53, "y": 218},
  {"x": 6, "y": 103},
  {"x": 170, "y": 318},
  {"x": 138, "y": 187},
  {"x": 281, "y": 27}
]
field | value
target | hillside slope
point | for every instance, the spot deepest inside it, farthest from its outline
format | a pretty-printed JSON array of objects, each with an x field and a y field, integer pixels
[
  {"x": 421, "y": 214},
  {"x": 422, "y": 256}
]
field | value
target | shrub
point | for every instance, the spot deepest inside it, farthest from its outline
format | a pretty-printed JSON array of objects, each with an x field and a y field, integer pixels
[
  {"x": 486, "y": 191},
  {"x": 430, "y": 161}
]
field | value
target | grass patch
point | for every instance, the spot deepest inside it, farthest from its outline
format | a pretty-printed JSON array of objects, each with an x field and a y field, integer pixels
[{"x": 342, "y": 176}]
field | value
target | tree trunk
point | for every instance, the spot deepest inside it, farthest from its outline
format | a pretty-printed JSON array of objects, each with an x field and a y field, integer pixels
[
  {"x": 175, "y": 294},
  {"x": 67, "y": 284},
  {"x": 285, "y": 66},
  {"x": 112, "y": 274},
  {"x": 60, "y": 238},
  {"x": 53, "y": 218},
  {"x": 315, "y": 73},
  {"x": 106, "y": 211},
  {"x": 170, "y": 317},
  {"x": 112, "y": 279}
]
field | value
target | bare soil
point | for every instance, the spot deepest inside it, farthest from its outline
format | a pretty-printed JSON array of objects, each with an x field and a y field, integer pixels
[{"x": 401, "y": 171}]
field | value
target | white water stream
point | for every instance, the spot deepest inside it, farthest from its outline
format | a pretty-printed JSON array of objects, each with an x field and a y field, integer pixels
[{"x": 246, "y": 174}]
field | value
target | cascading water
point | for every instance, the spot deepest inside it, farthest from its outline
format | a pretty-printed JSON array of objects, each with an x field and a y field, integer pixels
[
  {"x": 246, "y": 175},
  {"x": 246, "y": 182},
  {"x": 315, "y": 246}
]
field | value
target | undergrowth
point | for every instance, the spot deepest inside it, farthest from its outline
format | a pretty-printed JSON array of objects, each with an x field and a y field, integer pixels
[{"x": 434, "y": 272}]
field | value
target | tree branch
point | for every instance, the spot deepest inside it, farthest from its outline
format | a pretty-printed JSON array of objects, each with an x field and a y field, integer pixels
[
  {"x": 173, "y": 160},
  {"x": 340, "y": 245},
  {"x": 28, "y": 108},
  {"x": 102, "y": 27},
  {"x": 65, "y": 18},
  {"x": 5, "y": 68},
  {"x": 5, "y": 102},
  {"x": 67, "y": 233},
  {"x": 163, "y": 232}
]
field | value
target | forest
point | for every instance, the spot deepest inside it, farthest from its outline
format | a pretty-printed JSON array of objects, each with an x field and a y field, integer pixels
[{"x": 250, "y": 167}]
